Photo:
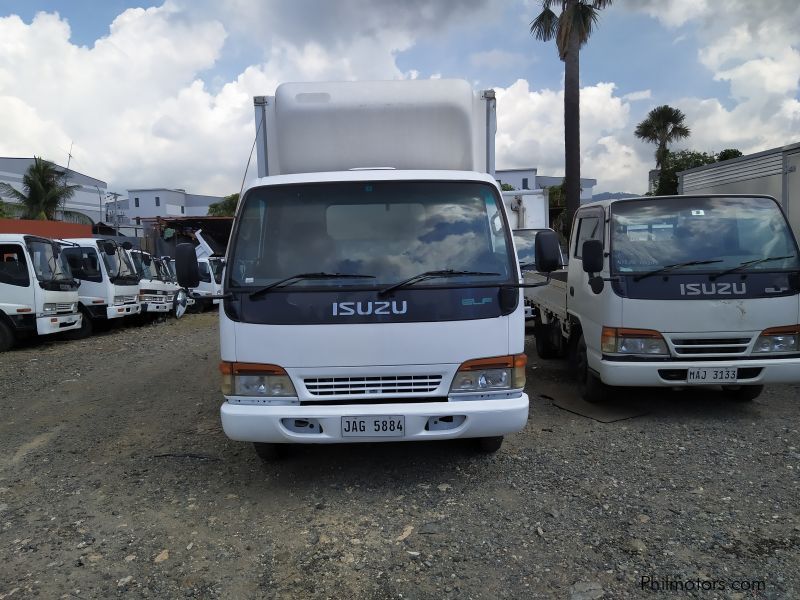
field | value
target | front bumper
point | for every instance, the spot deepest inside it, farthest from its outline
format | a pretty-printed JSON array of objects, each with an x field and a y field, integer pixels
[
  {"x": 673, "y": 373},
  {"x": 156, "y": 307},
  {"x": 123, "y": 310},
  {"x": 482, "y": 418},
  {"x": 59, "y": 322}
]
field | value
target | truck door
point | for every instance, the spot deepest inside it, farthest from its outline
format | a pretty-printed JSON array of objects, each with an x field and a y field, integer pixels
[
  {"x": 589, "y": 224},
  {"x": 15, "y": 278}
]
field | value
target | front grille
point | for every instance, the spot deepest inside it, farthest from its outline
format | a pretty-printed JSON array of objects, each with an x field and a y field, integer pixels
[
  {"x": 64, "y": 307},
  {"x": 128, "y": 299},
  {"x": 387, "y": 384},
  {"x": 353, "y": 401},
  {"x": 700, "y": 346}
]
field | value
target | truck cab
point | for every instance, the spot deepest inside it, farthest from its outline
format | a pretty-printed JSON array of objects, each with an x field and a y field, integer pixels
[
  {"x": 679, "y": 291},
  {"x": 109, "y": 283},
  {"x": 38, "y": 295},
  {"x": 156, "y": 288}
]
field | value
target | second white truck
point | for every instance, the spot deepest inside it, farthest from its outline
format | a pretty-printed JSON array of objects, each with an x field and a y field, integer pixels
[{"x": 676, "y": 291}]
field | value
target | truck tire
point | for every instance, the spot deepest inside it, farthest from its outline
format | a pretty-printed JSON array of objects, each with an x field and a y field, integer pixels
[
  {"x": 592, "y": 389},
  {"x": 490, "y": 444},
  {"x": 543, "y": 335},
  {"x": 84, "y": 331},
  {"x": 743, "y": 393},
  {"x": 6, "y": 337},
  {"x": 270, "y": 452}
]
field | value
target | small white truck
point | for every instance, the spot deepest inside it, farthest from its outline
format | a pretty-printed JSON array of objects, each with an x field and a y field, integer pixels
[
  {"x": 676, "y": 291},
  {"x": 156, "y": 289},
  {"x": 210, "y": 266},
  {"x": 38, "y": 295},
  {"x": 109, "y": 283},
  {"x": 371, "y": 290}
]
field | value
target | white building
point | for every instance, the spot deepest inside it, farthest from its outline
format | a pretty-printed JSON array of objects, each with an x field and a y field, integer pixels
[
  {"x": 529, "y": 179},
  {"x": 157, "y": 202},
  {"x": 85, "y": 205}
]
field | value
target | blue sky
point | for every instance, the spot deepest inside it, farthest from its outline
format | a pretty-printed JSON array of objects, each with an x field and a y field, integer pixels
[{"x": 162, "y": 96}]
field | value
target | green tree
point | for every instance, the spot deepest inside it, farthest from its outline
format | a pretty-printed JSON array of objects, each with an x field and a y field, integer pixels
[
  {"x": 507, "y": 187},
  {"x": 44, "y": 191},
  {"x": 225, "y": 207},
  {"x": 675, "y": 162},
  {"x": 571, "y": 29},
  {"x": 728, "y": 154},
  {"x": 664, "y": 124}
]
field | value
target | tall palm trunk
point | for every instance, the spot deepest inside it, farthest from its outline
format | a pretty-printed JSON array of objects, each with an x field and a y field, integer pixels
[{"x": 572, "y": 125}]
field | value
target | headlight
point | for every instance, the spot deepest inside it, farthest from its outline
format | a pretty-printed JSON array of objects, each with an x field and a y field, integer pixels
[
  {"x": 616, "y": 340},
  {"x": 250, "y": 379},
  {"x": 49, "y": 308},
  {"x": 491, "y": 374},
  {"x": 119, "y": 299},
  {"x": 778, "y": 339}
]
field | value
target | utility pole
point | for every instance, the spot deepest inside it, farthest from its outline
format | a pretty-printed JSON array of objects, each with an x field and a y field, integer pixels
[{"x": 115, "y": 219}]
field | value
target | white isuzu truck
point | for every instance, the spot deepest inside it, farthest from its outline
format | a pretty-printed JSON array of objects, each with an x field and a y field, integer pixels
[
  {"x": 38, "y": 295},
  {"x": 371, "y": 291},
  {"x": 109, "y": 283},
  {"x": 156, "y": 288},
  {"x": 696, "y": 290}
]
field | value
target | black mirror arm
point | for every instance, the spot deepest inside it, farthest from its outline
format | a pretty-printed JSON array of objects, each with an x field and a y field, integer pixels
[{"x": 534, "y": 285}]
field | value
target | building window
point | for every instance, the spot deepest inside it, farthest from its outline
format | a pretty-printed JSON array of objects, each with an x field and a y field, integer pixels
[
  {"x": 136, "y": 202},
  {"x": 158, "y": 201},
  {"x": 138, "y": 221},
  {"x": 182, "y": 210},
  {"x": 524, "y": 183}
]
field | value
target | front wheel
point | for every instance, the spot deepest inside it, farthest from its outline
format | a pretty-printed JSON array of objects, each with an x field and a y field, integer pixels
[
  {"x": 270, "y": 452},
  {"x": 84, "y": 331},
  {"x": 743, "y": 393},
  {"x": 544, "y": 336},
  {"x": 593, "y": 390},
  {"x": 490, "y": 444},
  {"x": 6, "y": 337}
]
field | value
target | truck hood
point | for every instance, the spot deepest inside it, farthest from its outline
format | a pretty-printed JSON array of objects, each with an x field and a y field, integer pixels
[
  {"x": 379, "y": 344},
  {"x": 706, "y": 316}
]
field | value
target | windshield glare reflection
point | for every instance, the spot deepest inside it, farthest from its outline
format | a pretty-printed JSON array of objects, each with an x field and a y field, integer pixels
[
  {"x": 391, "y": 230},
  {"x": 650, "y": 234}
]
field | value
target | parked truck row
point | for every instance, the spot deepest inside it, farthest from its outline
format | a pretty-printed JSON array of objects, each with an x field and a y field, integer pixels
[{"x": 74, "y": 285}]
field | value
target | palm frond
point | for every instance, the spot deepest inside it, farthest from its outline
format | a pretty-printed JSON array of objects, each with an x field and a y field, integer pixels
[
  {"x": 11, "y": 192},
  {"x": 544, "y": 26}
]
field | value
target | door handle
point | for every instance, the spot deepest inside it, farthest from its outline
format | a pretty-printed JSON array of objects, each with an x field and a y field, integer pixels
[{"x": 571, "y": 291}]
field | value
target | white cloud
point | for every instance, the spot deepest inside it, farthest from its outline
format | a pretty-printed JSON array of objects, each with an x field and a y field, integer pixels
[{"x": 639, "y": 95}]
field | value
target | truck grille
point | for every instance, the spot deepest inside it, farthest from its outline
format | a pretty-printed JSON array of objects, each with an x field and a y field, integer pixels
[
  {"x": 387, "y": 384},
  {"x": 64, "y": 307},
  {"x": 710, "y": 346},
  {"x": 129, "y": 299}
]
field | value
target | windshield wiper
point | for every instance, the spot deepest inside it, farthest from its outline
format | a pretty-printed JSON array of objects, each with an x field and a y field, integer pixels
[
  {"x": 748, "y": 263},
  {"x": 302, "y": 276},
  {"x": 668, "y": 268},
  {"x": 430, "y": 275}
]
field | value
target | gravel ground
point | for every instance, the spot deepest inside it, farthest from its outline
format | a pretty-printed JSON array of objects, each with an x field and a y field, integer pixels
[{"x": 116, "y": 480}]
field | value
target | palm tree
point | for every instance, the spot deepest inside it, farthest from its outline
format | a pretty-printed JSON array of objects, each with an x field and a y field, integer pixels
[
  {"x": 663, "y": 125},
  {"x": 571, "y": 29},
  {"x": 44, "y": 193}
]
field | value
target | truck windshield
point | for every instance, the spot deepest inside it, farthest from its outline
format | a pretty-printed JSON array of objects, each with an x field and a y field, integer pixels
[
  {"x": 119, "y": 266},
  {"x": 390, "y": 230},
  {"x": 144, "y": 270},
  {"x": 217, "y": 265},
  {"x": 714, "y": 233},
  {"x": 46, "y": 264}
]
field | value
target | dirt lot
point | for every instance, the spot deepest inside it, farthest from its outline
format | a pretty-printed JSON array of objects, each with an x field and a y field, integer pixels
[{"x": 116, "y": 480}]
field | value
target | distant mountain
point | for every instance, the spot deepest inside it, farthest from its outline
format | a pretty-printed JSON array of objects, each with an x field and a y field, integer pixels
[{"x": 614, "y": 196}]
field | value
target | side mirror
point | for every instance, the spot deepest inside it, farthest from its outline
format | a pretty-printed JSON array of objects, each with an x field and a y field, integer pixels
[
  {"x": 147, "y": 260},
  {"x": 127, "y": 245},
  {"x": 592, "y": 256},
  {"x": 548, "y": 251},
  {"x": 596, "y": 284},
  {"x": 110, "y": 248},
  {"x": 186, "y": 266}
]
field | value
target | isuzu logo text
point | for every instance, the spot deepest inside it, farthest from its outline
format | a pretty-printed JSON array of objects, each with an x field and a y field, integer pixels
[
  {"x": 713, "y": 289},
  {"x": 343, "y": 309}
]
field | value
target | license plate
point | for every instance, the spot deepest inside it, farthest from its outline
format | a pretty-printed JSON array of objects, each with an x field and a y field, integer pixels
[
  {"x": 373, "y": 426},
  {"x": 701, "y": 375}
]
